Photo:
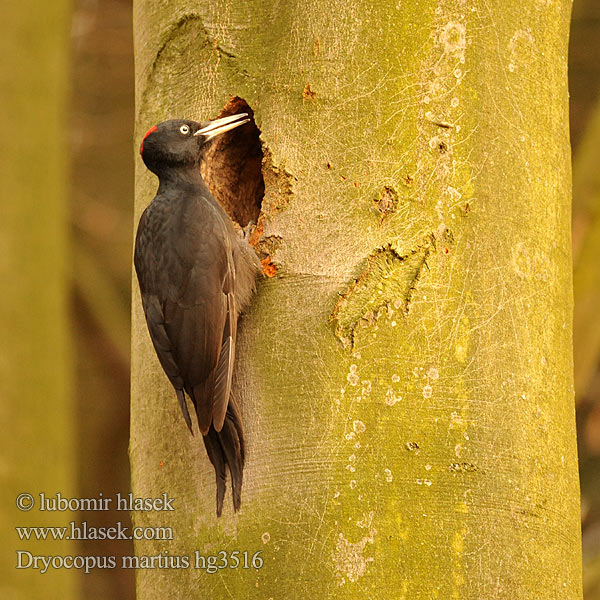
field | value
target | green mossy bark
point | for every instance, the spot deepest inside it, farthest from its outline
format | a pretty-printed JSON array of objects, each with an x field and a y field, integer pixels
[
  {"x": 36, "y": 408},
  {"x": 435, "y": 456}
]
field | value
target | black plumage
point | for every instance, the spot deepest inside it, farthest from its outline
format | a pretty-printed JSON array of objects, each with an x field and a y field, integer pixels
[{"x": 196, "y": 274}]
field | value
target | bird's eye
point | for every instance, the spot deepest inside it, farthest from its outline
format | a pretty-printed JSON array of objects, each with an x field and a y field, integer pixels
[{"x": 184, "y": 129}]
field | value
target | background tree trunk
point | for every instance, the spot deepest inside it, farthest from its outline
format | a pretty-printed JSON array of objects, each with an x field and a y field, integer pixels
[
  {"x": 101, "y": 111},
  {"x": 36, "y": 407},
  {"x": 406, "y": 377},
  {"x": 586, "y": 248}
]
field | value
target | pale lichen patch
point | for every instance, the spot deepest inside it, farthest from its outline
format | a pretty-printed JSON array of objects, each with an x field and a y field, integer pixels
[
  {"x": 443, "y": 74},
  {"x": 359, "y": 426},
  {"x": 530, "y": 263},
  {"x": 349, "y": 557},
  {"x": 391, "y": 398},
  {"x": 522, "y": 49},
  {"x": 457, "y": 421},
  {"x": 433, "y": 373},
  {"x": 352, "y": 377},
  {"x": 453, "y": 38}
]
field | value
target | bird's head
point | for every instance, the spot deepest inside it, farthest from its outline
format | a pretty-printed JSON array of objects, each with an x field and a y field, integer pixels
[{"x": 178, "y": 142}]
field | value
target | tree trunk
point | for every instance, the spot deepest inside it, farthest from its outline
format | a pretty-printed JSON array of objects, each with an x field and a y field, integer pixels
[
  {"x": 406, "y": 372},
  {"x": 36, "y": 420}
]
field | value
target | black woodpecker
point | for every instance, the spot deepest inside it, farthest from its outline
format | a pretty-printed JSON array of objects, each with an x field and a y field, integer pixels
[{"x": 196, "y": 274}]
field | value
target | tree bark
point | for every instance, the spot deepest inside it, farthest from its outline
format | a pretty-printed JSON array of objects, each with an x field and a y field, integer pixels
[
  {"x": 406, "y": 374},
  {"x": 37, "y": 410}
]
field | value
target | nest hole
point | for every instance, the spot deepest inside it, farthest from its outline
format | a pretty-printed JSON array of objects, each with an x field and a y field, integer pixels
[{"x": 232, "y": 169}]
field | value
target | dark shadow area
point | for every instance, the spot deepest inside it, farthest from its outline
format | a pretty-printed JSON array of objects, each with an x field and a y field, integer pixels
[{"x": 233, "y": 167}]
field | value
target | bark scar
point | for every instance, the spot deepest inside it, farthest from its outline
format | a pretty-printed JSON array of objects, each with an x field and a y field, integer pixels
[
  {"x": 388, "y": 278},
  {"x": 170, "y": 35},
  {"x": 174, "y": 31}
]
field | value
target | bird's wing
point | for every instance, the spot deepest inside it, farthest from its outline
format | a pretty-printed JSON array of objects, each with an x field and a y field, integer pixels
[
  {"x": 148, "y": 267},
  {"x": 224, "y": 371},
  {"x": 190, "y": 308}
]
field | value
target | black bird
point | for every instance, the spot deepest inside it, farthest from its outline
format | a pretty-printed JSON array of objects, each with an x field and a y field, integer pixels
[{"x": 196, "y": 274}]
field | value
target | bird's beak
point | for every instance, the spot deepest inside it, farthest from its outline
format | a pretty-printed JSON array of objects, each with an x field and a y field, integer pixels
[{"x": 219, "y": 126}]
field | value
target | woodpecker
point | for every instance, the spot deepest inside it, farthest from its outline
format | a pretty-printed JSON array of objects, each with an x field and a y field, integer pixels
[{"x": 196, "y": 275}]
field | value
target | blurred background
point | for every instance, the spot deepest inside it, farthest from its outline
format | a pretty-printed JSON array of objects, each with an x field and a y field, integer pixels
[
  {"x": 101, "y": 105},
  {"x": 101, "y": 164}
]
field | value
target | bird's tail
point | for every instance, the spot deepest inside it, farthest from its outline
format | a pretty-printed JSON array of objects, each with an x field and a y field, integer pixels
[{"x": 227, "y": 448}]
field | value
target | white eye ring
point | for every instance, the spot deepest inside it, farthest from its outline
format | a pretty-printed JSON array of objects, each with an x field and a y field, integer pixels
[{"x": 184, "y": 129}]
